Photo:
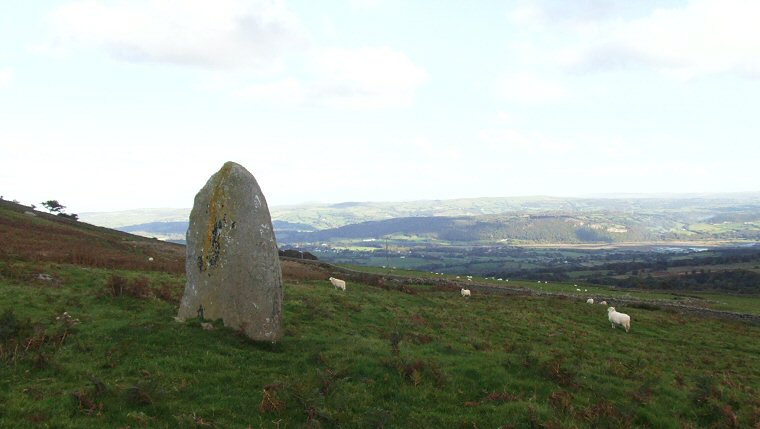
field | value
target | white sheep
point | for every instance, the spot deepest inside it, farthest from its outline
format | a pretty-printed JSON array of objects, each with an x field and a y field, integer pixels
[
  {"x": 621, "y": 319},
  {"x": 603, "y": 303},
  {"x": 590, "y": 301},
  {"x": 466, "y": 292},
  {"x": 338, "y": 283},
  {"x": 577, "y": 290}
]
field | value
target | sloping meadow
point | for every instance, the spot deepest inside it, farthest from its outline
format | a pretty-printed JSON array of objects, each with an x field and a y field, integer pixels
[{"x": 88, "y": 347}]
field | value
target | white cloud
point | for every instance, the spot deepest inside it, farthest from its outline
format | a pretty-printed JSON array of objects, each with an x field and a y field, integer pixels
[
  {"x": 6, "y": 76},
  {"x": 570, "y": 164},
  {"x": 504, "y": 117},
  {"x": 585, "y": 148},
  {"x": 511, "y": 140},
  {"x": 366, "y": 77},
  {"x": 554, "y": 12},
  {"x": 227, "y": 34},
  {"x": 527, "y": 88},
  {"x": 425, "y": 149},
  {"x": 364, "y": 4},
  {"x": 284, "y": 91},
  {"x": 223, "y": 33},
  {"x": 703, "y": 37}
]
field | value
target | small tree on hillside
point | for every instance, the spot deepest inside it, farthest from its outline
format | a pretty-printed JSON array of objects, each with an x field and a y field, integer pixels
[{"x": 53, "y": 206}]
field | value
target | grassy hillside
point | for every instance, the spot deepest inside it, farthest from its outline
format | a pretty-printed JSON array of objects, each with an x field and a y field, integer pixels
[
  {"x": 36, "y": 236},
  {"x": 366, "y": 358},
  {"x": 98, "y": 347}
]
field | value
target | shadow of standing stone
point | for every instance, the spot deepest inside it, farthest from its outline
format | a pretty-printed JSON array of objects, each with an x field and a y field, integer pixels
[{"x": 233, "y": 269}]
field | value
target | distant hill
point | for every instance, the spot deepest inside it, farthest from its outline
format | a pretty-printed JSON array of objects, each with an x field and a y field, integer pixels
[
  {"x": 522, "y": 219},
  {"x": 490, "y": 229},
  {"x": 324, "y": 216}
]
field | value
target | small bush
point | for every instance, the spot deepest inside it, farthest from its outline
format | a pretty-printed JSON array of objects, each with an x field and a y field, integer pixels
[
  {"x": 139, "y": 287},
  {"x": 170, "y": 292},
  {"x": 294, "y": 271},
  {"x": 142, "y": 393},
  {"x": 420, "y": 338},
  {"x": 501, "y": 397},
  {"x": 418, "y": 320},
  {"x": 412, "y": 371},
  {"x": 116, "y": 285},
  {"x": 562, "y": 376},
  {"x": 85, "y": 403},
  {"x": 561, "y": 401},
  {"x": 395, "y": 340},
  {"x": 270, "y": 402},
  {"x": 9, "y": 325}
]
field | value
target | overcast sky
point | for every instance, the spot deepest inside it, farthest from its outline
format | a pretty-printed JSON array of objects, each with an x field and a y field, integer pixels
[{"x": 109, "y": 105}]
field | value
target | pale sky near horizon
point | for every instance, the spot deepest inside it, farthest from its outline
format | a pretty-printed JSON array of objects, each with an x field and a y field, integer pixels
[{"x": 111, "y": 105}]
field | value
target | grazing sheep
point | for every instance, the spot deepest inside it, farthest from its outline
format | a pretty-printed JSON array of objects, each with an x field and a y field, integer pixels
[
  {"x": 577, "y": 290},
  {"x": 621, "y": 319},
  {"x": 150, "y": 259},
  {"x": 590, "y": 301},
  {"x": 603, "y": 303},
  {"x": 339, "y": 284},
  {"x": 466, "y": 292}
]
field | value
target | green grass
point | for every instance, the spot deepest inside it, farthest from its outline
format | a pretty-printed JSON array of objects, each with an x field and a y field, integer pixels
[
  {"x": 365, "y": 358},
  {"x": 745, "y": 303}
]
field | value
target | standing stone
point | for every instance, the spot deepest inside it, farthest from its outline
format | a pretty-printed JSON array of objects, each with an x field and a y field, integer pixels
[{"x": 233, "y": 269}]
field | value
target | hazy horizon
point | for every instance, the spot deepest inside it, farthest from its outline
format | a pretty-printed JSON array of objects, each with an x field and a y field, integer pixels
[
  {"x": 663, "y": 196},
  {"x": 109, "y": 105}
]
